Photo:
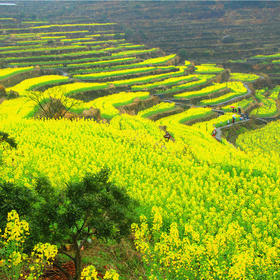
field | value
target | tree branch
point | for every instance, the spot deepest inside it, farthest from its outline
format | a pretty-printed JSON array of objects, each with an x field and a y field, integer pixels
[{"x": 68, "y": 255}]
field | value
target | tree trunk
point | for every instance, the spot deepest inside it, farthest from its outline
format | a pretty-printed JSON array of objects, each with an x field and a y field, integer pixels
[{"x": 78, "y": 261}]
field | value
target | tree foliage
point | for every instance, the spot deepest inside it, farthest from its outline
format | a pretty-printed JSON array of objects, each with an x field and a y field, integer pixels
[{"x": 92, "y": 207}]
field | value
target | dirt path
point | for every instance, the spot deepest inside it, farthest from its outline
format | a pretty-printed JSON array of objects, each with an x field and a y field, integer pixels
[{"x": 219, "y": 129}]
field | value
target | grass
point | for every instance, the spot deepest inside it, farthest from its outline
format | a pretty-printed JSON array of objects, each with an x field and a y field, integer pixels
[{"x": 121, "y": 256}]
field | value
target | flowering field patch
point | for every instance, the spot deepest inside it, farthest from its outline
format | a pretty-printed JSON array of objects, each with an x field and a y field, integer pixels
[
  {"x": 8, "y": 72},
  {"x": 33, "y": 83}
]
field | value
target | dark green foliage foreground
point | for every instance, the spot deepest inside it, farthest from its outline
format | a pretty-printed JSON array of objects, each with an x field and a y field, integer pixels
[
  {"x": 92, "y": 207},
  {"x": 4, "y": 137}
]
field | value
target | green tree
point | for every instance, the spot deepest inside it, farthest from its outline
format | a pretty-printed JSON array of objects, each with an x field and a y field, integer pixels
[{"x": 93, "y": 207}]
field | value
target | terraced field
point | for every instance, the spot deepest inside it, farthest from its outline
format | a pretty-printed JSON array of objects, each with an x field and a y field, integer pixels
[
  {"x": 88, "y": 65},
  {"x": 114, "y": 97}
]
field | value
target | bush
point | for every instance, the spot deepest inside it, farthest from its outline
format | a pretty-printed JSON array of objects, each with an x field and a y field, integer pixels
[{"x": 5, "y": 137}]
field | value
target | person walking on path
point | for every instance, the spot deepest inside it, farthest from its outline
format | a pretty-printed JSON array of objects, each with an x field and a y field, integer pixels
[
  {"x": 214, "y": 132},
  {"x": 239, "y": 110}
]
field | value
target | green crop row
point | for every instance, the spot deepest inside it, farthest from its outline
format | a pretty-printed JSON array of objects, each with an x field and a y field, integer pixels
[
  {"x": 195, "y": 80},
  {"x": 202, "y": 92},
  {"x": 53, "y": 37},
  {"x": 19, "y": 48},
  {"x": 52, "y": 62},
  {"x": 61, "y": 55},
  {"x": 42, "y": 49},
  {"x": 148, "y": 62},
  {"x": 271, "y": 56},
  {"x": 31, "y": 42},
  {"x": 135, "y": 52},
  {"x": 102, "y": 62},
  {"x": 100, "y": 42},
  {"x": 221, "y": 99},
  {"x": 165, "y": 83},
  {"x": 156, "y": 109},
  {"x": 71, "y": 25},
  {"x": 111, "y": 74},
  {"x": 148, "y": 79}
]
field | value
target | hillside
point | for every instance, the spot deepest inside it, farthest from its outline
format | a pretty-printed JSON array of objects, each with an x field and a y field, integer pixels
[{"x": 208, "y": 209}]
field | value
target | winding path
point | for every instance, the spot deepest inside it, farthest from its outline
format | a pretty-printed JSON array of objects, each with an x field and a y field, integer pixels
[{"x": 219, "y": 129}]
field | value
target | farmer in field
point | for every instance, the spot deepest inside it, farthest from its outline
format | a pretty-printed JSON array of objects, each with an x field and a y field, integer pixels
[{"x": 167, "y": 135}]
